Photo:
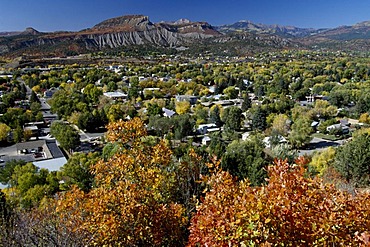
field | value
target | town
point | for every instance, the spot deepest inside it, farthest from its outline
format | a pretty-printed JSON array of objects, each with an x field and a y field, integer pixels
[{"x": 245, "y": 112}]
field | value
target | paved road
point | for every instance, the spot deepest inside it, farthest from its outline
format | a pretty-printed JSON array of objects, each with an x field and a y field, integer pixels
[
  {"x": 319, "y": 144},
  {"x": 44, "y": 105}
]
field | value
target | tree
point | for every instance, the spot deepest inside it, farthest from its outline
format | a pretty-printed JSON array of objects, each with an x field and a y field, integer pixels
[
  {"x": 232, "y": 117},
  {"x": 34, "y": 98},
  {"x": 160, "y": 125},
  {"x": 247, "y": 103},
  {"x": 131, "y": 196},
  {"x": 352, "y": 160},
  {"x": 66, "y": 135},
  {"x": 259, "y": 119},
  {"x": 323, "y": 160},
  {"x": 182, "y": 107},
  {"x": 301, "y": 132},
  {"x": 201, "y": 114},
  {"x": 92, "y": 93},
  {"x": 214, "y": 115},
  {"x": 231, "y": 92},
  {"x": 283, "y": 151},
  {"x": 77, "y": 171},
  {"x": 154, "y": 109},
  {"x": 28, "y": 184},
  {"x": 183, "y": 126},
  {"x": 364, "y": 118},
  {"x": 4, "y": 131},
  {"x": 133, "y": 91},
  {"x": 18, "y": 134},
  {"x": 246, "y": 159},
  {"x": 291, "y": 210},
  {"x": 217, "y": 145},
  {"x": 280, "y": 124},
  {"x": 7, "y": 171},
  {"x": 323, "y": 109}
]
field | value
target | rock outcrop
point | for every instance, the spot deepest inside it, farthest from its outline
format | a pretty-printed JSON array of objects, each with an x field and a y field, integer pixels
[{"x": 116, "y": 32}]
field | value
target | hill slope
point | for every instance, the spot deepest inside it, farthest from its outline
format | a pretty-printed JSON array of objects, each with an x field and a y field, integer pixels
[{"x": 240, "y": 38}]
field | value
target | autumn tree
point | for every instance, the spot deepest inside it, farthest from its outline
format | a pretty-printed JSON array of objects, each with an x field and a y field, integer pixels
[
  {"x": 291, "y": 210},
  {"x": 4, "y": 131},
  {"x": 182, "y": 107},
  {"x": 130, "y": 205}
]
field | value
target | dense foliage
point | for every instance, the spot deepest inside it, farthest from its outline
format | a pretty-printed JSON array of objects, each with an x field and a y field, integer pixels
[{"x": 291, "y": 210}]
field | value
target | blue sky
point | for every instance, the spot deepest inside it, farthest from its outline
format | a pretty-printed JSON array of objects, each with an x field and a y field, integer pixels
[{"x": 73, "y": 15}]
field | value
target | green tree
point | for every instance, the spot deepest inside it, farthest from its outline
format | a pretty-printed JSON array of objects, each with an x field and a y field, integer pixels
[
  {"x": 214, "y": 115},
  {"x": 92, "y": 93},
  {"x": 77, "y": 171},
  {"x": 154, "y": 109},
  {"x": 281, "y": 124},
  {"x": 133, "y": 91},
  {"x": 232, "y": 117},
  {"x": 18, "y": 134},
  {"x": 183, "y": 126},
  {"x": 231, "y": 92},
  {"x": 7, "y": 171},
  {"x": 301, "y": 132},
  {"x": 246, "y": 159},
  {"x": 66, "y": 135},
  {"x": 217, "y": 145},
  {"x": 29, "y": 185},
  {"x": 259, "y": 119},
  {"x": 352, "y": 160},
  {"x": 34, "y": 98},
  {"x": 247, "y": 103},
  {"x": 201, "y": 114}
]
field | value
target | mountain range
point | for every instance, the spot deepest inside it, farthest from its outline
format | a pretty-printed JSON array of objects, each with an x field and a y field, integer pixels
[{"x": 240, "y": 38}]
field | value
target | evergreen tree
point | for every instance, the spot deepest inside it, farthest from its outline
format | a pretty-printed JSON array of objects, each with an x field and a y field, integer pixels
[
  {"x": 245, "y": 159},
  {"x": 247, "y": 103},
  {"x": 352, "y": 161},
  {"x": 34, "y": 98},
  {"x": 259, "y": 119},
  {"x": 232, "y": 117},
  {"x": 215, "y": 116}
]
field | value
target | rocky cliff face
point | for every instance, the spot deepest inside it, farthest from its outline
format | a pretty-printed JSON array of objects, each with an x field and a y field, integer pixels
[{"x": 113, "y": 33}]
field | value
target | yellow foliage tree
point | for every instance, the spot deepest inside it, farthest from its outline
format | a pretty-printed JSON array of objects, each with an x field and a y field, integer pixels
[
  {"x": 4, "y": 131},
  {"x": 322, "y": 160},
  {"x": 364, "y": 118},
  {"x": 182, "y": 107}
]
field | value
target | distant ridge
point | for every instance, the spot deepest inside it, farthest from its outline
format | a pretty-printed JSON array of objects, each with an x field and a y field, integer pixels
[
  {"x": 240, "y": 38},
  {"x": 285, "y": 31}
]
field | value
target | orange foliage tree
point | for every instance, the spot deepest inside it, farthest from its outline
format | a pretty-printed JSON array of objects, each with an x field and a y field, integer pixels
[
  {"x": 131, "y": 203},
  {"x": 291, "y": 210}
]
